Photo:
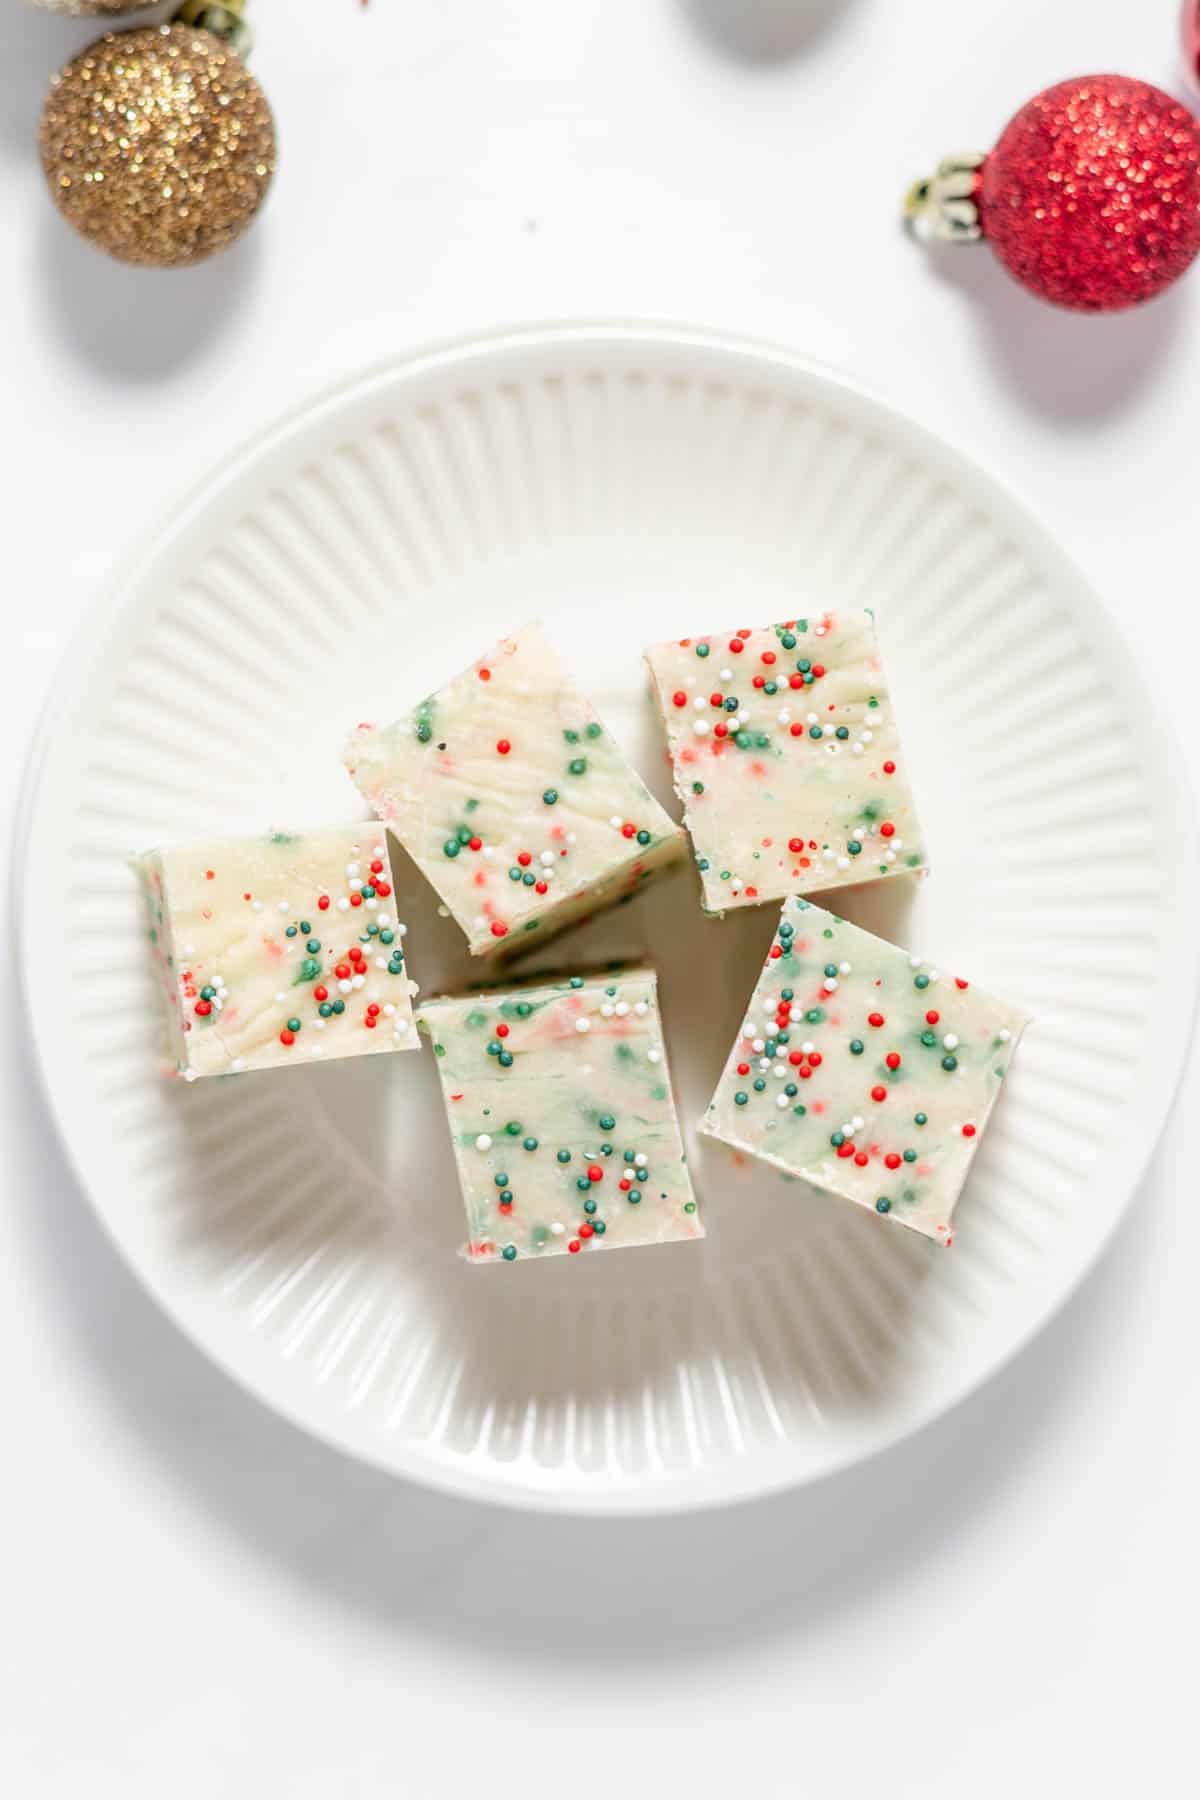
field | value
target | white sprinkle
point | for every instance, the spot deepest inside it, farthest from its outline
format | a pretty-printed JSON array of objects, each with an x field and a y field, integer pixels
[
  {"x": 381, "y": 962},
  {"x": 352, "y": 868},
  {"x": 483, "y": 1142},
  {"x": 843, "y": 968},
  {"x": 281, "y": 999},
  {"x": 914, "y": 962},
  {"x": 808, "y": 1049},
  {"x": 843, "y": 862},
  {"x": 402, "y": 931},
  {"x": 641, "y": 1158},
  {"x": 726, "y": 674},
  {"x": 572, "y": 837},
  {"x": 284, "y": 907},
  {"x": 238, "y": 1064},
  {"x": 857, "y": 749},
  {"x": 654, "y": 1056},
  {"x": 759, "y": 1044},
  {"x": 785, "y": 715},
  {"x": 557, "y": 1229},
  {"x": 615, "y": 822},
  {"x": 343, "y": 904},
  {"x": 356, "y": 981},
  {"x": 1005, "y": 1036},
  {"x": 781, "y": 1100},
  {"x": 622, "y": 1008},
  {"x": 780, "y": 1071},
  {"x": 867, "y": 737},
  {"x": 582, "y": 1025},
  {"x": 699, "y": 704},
  {"x": 897, "y": 843},
  {"x": 830, "y": 984},
  {"x": 889, "y": 856},
  {"x": 320, "y": 1024},
  {"x": 403, "y": 1026},
  {"x": 547, "y": 858},
  {"x": 810, "y": 718},
  {"x": 933, "y": 975},
  {"x": 827, "y": 853},
  {"x": 371, "y": 905},
  {"x": 389, "y": 1010},
  {"x": 764, "y": 1062},
  {"x": 315, "y": 1051},
  {"x": 950, "y": 1040},
  {"x": 343, "y": 988},
  {"x": 700, "y": 727},
  {"x": 378, "y": 852},
  {"x": 385, "y": 918},
  {"x": 641, "y": 1009}
]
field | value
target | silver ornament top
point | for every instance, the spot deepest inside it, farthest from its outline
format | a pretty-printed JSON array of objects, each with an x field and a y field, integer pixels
[{"x": 943, "y": 207}]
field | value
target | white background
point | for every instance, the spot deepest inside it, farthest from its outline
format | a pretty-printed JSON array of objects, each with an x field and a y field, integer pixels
[{"x": 195, "y": 1600}]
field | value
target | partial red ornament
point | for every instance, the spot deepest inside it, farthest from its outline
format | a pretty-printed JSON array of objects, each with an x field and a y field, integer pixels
[
  {"x": 1191, "y": 36},
  {"x": 1091, "y": 198}
]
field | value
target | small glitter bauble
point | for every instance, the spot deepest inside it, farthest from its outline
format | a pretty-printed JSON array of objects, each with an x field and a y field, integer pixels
[
  {"x": 158, "y": 145},
  {"x": 1091, "y": 198}
]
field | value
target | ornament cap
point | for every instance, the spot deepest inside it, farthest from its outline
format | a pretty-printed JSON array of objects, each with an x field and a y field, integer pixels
[
  {"x": 226, "y": 19},
  {"x": 944, "y": 206}
]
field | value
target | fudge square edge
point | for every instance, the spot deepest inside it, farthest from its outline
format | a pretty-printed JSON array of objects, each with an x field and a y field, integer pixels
[
  {"x": 513, "y": 798},
  {"x": 787, "y": 759},
  {"x": 562, "y": 1116},
  {"x": 275, "y": 949},
  {"x": 863, "y": 1070}
]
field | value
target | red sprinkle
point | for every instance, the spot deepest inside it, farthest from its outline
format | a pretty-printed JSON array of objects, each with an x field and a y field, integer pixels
[
  {"x": 595, "y": 1172},
  {"x": 383, "y": 889},
  {"x": 370, "y": 1023},
  {"x": 968, "y": 1131},
  {"x": 499, "y": 929},
  {"x": 716, "y": 699},
  {"x": 878, "y": 1094},
  {"x": 485, "y": 674},
  {"x": 861, "y": 1159},
  {"x": 768, "y": 656},
  {"x": 721, "y": 730},
  {"x": 356, "y": 900},
  {"x": 736, "y": 645},
  {"x": 540, "y": 887},
  {"x": 888, "y": 830},
  {"x": 931, "y": 1018},
  {"x": 342, "y": 971},
  {"x": 502, "y": 1031},
  {"x": 892, "y": 1059},
  {"x": 797, "y": 730},
  {"x": 475, "y": 843},
  {"x": 586, "y": 1231},
  {"x": 377, "y": 867},
  {"x": 203, "y": 1007},
  {"x": 889, "y": 768},
  {"x": 573, "y": 1246},
  {"x": 287, "y": 1037},
  {"x": 875, "y": 1019},
  {"x": 815, "y": 1058},
  {"x": 628, "y": 830},
  {"x": 846, "y": 1149},
  {"x": 524, "y": 858},
  {"x": 320, "y": 993},
  {"x": 744, "y": 1068},
  {"x": 795, "y": 845},
  {"x": 959, "y": 983},
  {"x": 503, "y": 746},
  {"x": 323, "y": 903},
  {"x": 372, "y": 1011},
  {"x": 776, "y": 950},
  {"x": 679, "y": 697},
  {"x": 818, "y": 670}
]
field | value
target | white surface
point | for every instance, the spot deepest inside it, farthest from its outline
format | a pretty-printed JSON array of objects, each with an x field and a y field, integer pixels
[
  {"x": 197, "y": 1597},
  {"x": 644, "y": 477}
]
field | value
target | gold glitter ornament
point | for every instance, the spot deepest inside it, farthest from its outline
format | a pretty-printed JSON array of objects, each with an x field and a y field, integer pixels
[
  {"x": 80, "y": 8},
  {"x": 158, "y": 144}
]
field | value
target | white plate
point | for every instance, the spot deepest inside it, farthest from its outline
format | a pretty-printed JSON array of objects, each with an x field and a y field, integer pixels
[{"x": 627, "y": 483}]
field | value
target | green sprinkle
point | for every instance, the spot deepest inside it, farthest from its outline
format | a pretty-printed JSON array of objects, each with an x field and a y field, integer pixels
[
  {"x": 910, "y": 1156},
  {"x": 760, "y": 1085},
  {"x": 949, "y": 1063},
  {"x": 464, "y": 834},
  {"x": 689, "y": 1206},
  {"x": 493, "y": 1048},
  {"x": 339, "y": 1006},
  {"x": 800, "y": 1111},
  {"x": 883, "y": 1205},
  {"x": 921, "y": 981},
  {"x": 293, "y": 1024},
  {"x": 208, "y": 993},
  {"x": 505, "y": 1059},
  {"x": 788, "y": 640},
  {"x": 514, "y": 874},
  {"x": 928, "y": 1039},
  {"x": 306, "y": 927},
  {"x": 313, "y": 946},
  {"x": 643, "y": 838},
  {"x": 838, "y": 1139},
  {"x": 842, "y": 733},
  {"x": 451, "y": 847},
  {"x": 386, "y": 937},
  {"x": 697, "y": 787},
  {"x": 509, "y": 1253},
  {"x": 831, "y": 969},
  {"x": 599, "y": 1227},
  {"x": 634, "y": 1196},
  {"x": 325, "y": 1009},
  {"x": 920, "y": 1118},
  {"x": 815, "y": 731},
  {"x": 530, "y": 1144},
  {"x": 606, "y": 1122},
  {"x": 856, "y": 1046},
  {"x": 501, "y": 1181},
  {"x": 589, "y": 1206},
  {"x": 524, "y": 1008},
  {"x": 290, "y": 932},
  {"x": 702, "y": 649},
  {"x": 564, "y": 1156},
  {"x": 593, "y": 730},
  {"x": 583, "y": 1184},
  {"x": 577, "y": 766},
  {"x": 577, "y": 981},
  {"x": 513, "y": 1128},
  {"x": 787, "y": 994},
  {"x": 854, "y": 847},
  {"x": 804, "y": 665},
  {"x": 741, "y": 1099},
  {"x": 814, "y": 1016},
  {"x": 424, "y": 731},
  {"x": 506, "y": 1197}
]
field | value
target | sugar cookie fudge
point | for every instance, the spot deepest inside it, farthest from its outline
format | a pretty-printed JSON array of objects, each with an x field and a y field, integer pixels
[
  {"x": 864, "y": 1070},
  {"x": 562, "y": 1117},
  {"x": 513, "y": 799},
  {"x": 787, "y": 759},
  {"x": 276, "y": 949}
]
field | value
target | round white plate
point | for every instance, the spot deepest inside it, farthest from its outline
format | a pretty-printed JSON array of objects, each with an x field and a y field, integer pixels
[{"x": 626, "y": 483}]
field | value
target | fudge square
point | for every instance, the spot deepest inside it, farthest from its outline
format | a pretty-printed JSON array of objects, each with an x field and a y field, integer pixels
[
  {"x": 562, "y": 1117},
  {"x": 864, "y": 1070},
  {"x": 787, "y": 759},
  {"x": 512, "y": 798},
  {"x": 277, "y": 949}
]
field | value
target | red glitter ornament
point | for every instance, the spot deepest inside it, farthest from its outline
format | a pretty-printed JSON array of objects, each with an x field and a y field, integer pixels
[{"x": 1091, "y": 198}]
